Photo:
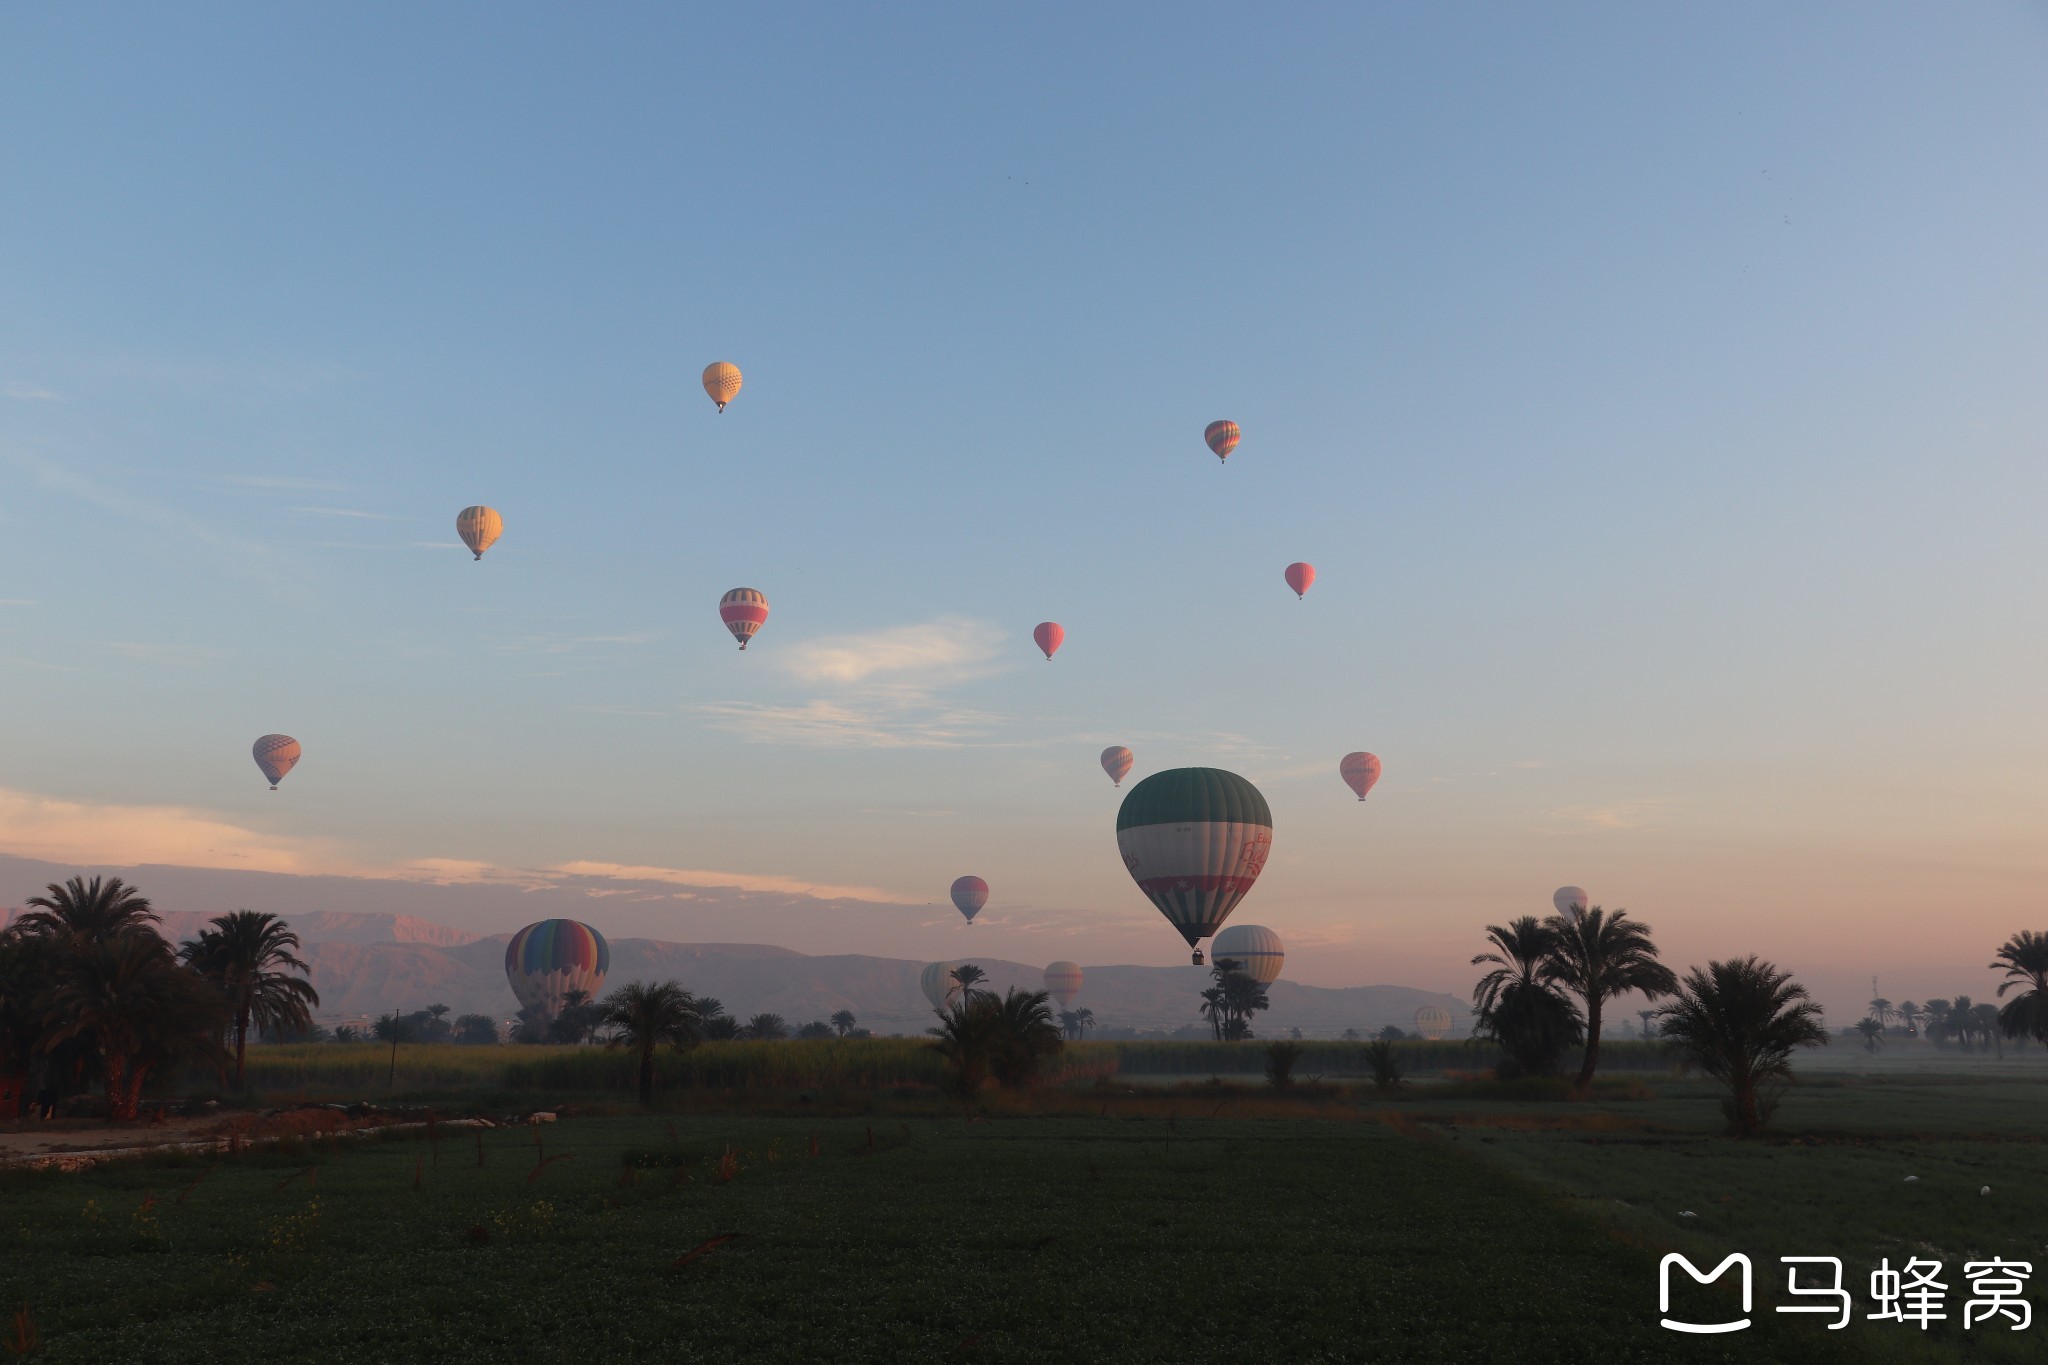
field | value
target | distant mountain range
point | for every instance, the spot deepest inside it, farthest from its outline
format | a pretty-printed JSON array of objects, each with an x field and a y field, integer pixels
[{"x": 366, "y": 964}]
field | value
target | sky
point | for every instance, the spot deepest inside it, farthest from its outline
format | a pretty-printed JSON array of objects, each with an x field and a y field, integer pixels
[{"x": 1657, "y": 391}]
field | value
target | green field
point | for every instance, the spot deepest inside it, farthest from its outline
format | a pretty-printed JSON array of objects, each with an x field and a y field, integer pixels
[{"x": 1095, "y": 1222}]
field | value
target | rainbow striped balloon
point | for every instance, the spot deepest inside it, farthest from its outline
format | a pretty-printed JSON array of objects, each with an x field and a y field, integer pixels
[{"x": 545, "y": 961}]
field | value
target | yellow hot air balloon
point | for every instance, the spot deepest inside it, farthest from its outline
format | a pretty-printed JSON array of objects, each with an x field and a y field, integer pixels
[
  {"x": 722, "y": 382},
  {"x": 479, "y": 528}
]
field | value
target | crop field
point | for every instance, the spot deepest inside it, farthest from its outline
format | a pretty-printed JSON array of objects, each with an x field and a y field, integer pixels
[
  {"x": 1083, "y": 1223},
  {"x": 358, "y": 1069}
]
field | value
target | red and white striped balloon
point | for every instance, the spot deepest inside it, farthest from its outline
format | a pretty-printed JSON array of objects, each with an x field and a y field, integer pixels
[
  {"x": 744, "y": 611},
  {"x": 1116, "y": 761}
]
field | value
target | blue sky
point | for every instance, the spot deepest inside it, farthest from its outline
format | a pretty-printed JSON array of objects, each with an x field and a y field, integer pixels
[{"x": 1657, "y": 391}]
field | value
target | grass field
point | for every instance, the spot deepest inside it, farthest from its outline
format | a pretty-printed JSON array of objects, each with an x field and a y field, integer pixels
[{"x": 1098, "y": 1223}]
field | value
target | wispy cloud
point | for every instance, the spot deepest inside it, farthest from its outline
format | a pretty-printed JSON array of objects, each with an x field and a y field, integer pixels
[
  {"x": 17, "y": 602},
  {"x": 344, "y": 512},
  {"x": 573, "y": 644},
  {"x": 181, "y": 656},
  {"x": 101, "y": 834},
  {"x": 838, "y": 725},
  {"x": 1638, "y": 814},
  {"x": 90, "y": 833},
  {"x": 131, "y": 508},
  {"x": 738, "y": 881},
  {"x": 277, "y": 483},
  {"x": 930, "y": 655},
  {"x": 30, "y": 391}
]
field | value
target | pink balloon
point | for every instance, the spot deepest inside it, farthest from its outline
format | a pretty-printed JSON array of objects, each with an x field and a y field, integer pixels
[
  {"x": 1049, "y": 635},
  {"x": 1301, "y": 577},
  {"x": 1360, "y": 771}
]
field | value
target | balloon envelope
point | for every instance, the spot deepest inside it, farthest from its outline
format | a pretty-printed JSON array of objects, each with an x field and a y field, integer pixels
[
  {"x": 275, "y": 755},
  {"x": 937, "y": 983},
  {"x": 1360, "y": 771},
  {"x": 722, "y": 382},
  {"x": 479, "y": 528},
  {"x": 1063, "y": 982},
  {"x": 1433, "y": 1022},
  {"x": 1571, "y": 901},
  {"x": 1301, "y": 577},
  {"x": 969, "y": 895},
  {"x": 1050, "y": 635},
  {"x": 744, "y": 611},
  {"x": 1116, "y": 761},
  {"x": 1255, "y": 948},
  {"x": 1222, "y": 438},
  {"x": 1195, "y": 839},
  {"x": 547, "y": 960}
]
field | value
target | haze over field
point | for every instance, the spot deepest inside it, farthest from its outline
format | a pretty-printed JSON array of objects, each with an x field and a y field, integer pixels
[{"x": 1656, "y": 391}]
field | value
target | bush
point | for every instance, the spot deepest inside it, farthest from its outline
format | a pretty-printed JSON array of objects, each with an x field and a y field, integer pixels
[
  {"x": 1387, "y": 1075},
  {"x": 1280, "y": 1060}
]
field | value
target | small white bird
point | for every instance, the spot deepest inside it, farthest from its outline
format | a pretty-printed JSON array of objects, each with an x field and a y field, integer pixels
[
  {"x": 1911, "y": 1178},
  {"x": 1985, "y": 1190},
  {"x": 1687, "y": 1213}
]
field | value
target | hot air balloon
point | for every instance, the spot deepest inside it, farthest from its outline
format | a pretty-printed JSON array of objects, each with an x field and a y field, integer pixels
[
  {"x": 1433, "y": 1022},
  {"x": 722, "y": 382},
  {"x": 1063, "y": 982},
  {"x": 1116, "y": 761},
  {"x": 969, "y": 895},
  {"x": 479, "y": 528},
  {"x": 275, "y": 755},
  {"x": 937, "y": 983},
  {"x": 1571, "y": 901},
  {"x": 1222, "y": 438},
  {"x": 1301, "y": 577},
  {"x": 545, "y": 961},
  {"x": 1359, "y": 771},
  {"x": 1195, "y": 839},
  {"x": 1049, "y": 635},
  {"x": 743, "y": 610},
  {"x": 1255, "y": 948}
]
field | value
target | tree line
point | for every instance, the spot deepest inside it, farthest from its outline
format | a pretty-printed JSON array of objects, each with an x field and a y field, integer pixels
[
  {"x": 1740, "y": 1020},
  {"x": 92, "y": 994}
]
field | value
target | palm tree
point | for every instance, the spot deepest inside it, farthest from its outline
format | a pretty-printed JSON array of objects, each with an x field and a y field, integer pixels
[
  {"x": 765, "y": 1028},
  {"x": 1909, "y": 1014},
  {"x": 1984, "y": 1020},
  {"x": 1872, "y": 1031},
  {"x": 843, "y": 1022},
  {"x": 643, "y": 1017},
  {"x": 1649, "y": 1028},
  {"x": 1935, "y": 1012},
  {"x": 966, "y": 1036},
  {"x": 1517, "y": 1005},
  {"x": 1075, "y": 1023},
  {"x": 1883, "y": 1011},
  {"x": 2024, "y": 959},
  {"x": 247, "y": 956},
  {"x": 1025, "y": 1036},
  {"x": 1740, "y": 1021},
  {"x": 968, "y": 976},
  {"x": 1598, "y": 956},
  {"x": 80, "y": 910},
  {"x": 125, "y": 997}
]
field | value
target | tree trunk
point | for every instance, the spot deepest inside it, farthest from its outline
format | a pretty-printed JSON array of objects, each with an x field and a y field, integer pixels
[
  {"x": 241, "y": 1040},
  {"x": 119, "y": 1105},
  {"x": 1592, "y": 1060},
  {"x": 647, "y": 1075},
  {"x": 1747, "y": 1120}
]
